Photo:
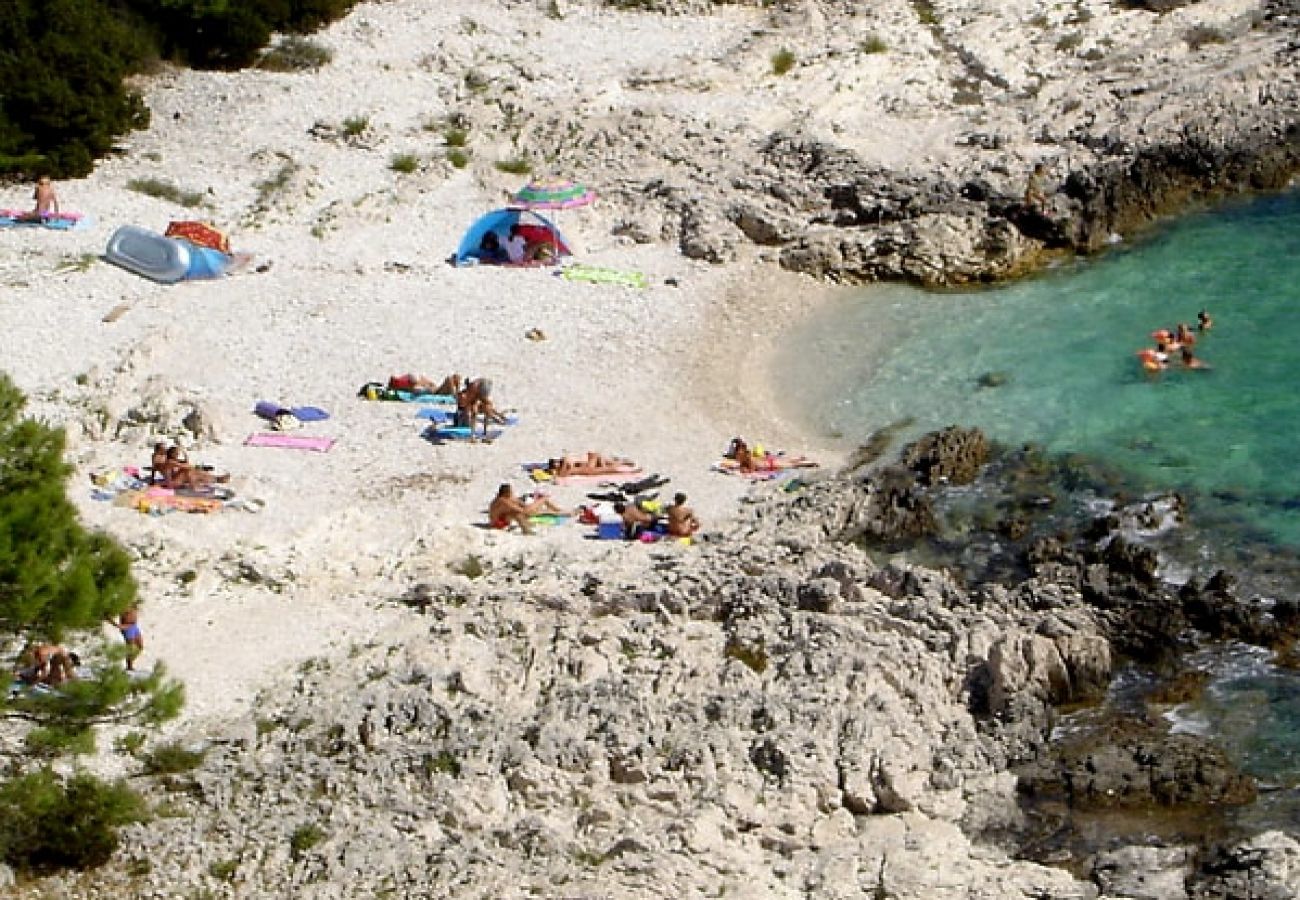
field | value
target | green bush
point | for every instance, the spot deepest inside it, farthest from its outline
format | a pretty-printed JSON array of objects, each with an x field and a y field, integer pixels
[
  {"x": 295, "y": 54},
  {"x": 224, "y": 870},
  {"x": 752, "y": 655},
  {"x": 171, "y": 759},
  {"x": 516, "y": 166},
  {"x": 458, "y": 158},
  {"x": 456, "y": 137},
  {"x": 165, "y": 190},
  {"x": 874, "y": 44},
  {"x": 47, "y": 823},
  {"x": 404, "y": 163},
  {"x": 63, "y": 101},
  {"x": 783, "y": 61},
  {"x": 54, "y": 575},
  {"x": 355, "y": 126},
  {"x": 65, "y": 63},
  {"x": 305, "y": 837}
]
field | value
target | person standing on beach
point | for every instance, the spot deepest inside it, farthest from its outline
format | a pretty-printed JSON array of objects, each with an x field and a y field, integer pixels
[{"x": 128, "y": 624}]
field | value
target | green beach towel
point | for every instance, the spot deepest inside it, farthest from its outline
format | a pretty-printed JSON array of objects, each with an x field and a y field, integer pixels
[{"x": 602, "y": 275}]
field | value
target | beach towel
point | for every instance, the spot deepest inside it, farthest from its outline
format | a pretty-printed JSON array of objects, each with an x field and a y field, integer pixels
[
  {"x": 434, "y": 399},
  {"x": 602, "y": 275},
  {"x": 441, "y": 433},
  {"x": 766, "y": 465},
  {"x": 729, "y": 467},
  {"x": 277, "y": 413},
  {"x": 60, "y": 221},
  {"x": 290, "y": 441},
  {"x": 537, "y": 472},
  {"x": 439, "y": 416}
]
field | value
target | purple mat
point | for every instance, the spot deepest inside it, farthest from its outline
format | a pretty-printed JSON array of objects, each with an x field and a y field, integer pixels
[{"x": 289, "y": 441}]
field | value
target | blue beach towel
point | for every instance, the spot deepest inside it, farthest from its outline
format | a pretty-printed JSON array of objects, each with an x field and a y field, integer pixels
[
  {"x": 438, "y": 416},
  {"x": 272, "y": 411},
  {"x": 439, "y": 434}
]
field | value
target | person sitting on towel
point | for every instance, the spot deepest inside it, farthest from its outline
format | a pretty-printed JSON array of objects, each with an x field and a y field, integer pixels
[
  {"x": 740, "y": 452},
  {"x": 490, "y": 249},
  {"x": 158, "y": 462},
  {"x": 681, "y": 518},
  {"x": 47, "y": 664},
  {"x": 516, "y": 246},
  {"x": 506, "y": 509},
  {"x": 636, "y": 520},
  {"x": 179, "y": 473}
]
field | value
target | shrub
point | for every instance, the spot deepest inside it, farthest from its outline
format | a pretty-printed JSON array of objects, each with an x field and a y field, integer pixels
[
  {"x": 165, "y": 190},
  {"x": 223, "y": 870},
  {"x": 295, "y": 54},
  {"x": 874, "y": 44},
  {"x": 443, "y": 763},
  {"x": 516, "y": 166},
  {"x": 456, "y": 137},
  {"x": 171, "y": 759},
  {"x": 355, "y": 126},
  {"x": 458, "y": 158},
  {"x": 59, "y": 740},
  {"x": 130, "y": 743},
  {"x": 404, "y": 163},
  {"x": 752, "y": 655},
  {"x": 471, "y": 567},
  {"x": 305, "y": 837},
  {"x": 782, "y": 61},
  {"x": 46, "y": 823}
]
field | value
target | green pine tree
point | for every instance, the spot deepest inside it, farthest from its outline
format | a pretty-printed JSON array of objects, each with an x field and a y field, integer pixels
[{"x": 59, "y": 581}]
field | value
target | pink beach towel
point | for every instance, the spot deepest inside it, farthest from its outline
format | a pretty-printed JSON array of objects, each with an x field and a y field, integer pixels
[{"x": 290, "y": 441}]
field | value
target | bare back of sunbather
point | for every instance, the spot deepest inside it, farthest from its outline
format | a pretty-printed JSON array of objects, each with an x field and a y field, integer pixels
[{"x": 592, "y": 464}]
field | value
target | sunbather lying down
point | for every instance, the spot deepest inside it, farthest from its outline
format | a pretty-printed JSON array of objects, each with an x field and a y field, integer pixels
[{"x": 591, "y": 464}]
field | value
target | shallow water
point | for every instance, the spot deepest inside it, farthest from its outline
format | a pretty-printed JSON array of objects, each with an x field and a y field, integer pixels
[
  {"x": 1059, "y": 350},
  {"x": 1051, "y": 361}
]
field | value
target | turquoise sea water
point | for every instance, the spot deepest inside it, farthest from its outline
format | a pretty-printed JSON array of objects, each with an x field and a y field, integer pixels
[
  {"x": 1051, "y": 360},
  {"x": 1061, "y": 347}
]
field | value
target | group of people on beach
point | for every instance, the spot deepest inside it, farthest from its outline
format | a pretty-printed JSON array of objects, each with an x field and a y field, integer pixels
[
  {"x": 474, "y": 404},
  {"x": 639, "y": 516},
  {"x": 1178, "y": 340},
  {"x": 169, "y": 467},
  {"x": 515, "y": 250},
  {"x": 51, "y": 665}
]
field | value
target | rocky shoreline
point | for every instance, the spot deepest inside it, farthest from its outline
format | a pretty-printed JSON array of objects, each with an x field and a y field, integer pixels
[{"x": 777, "y": 715}]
